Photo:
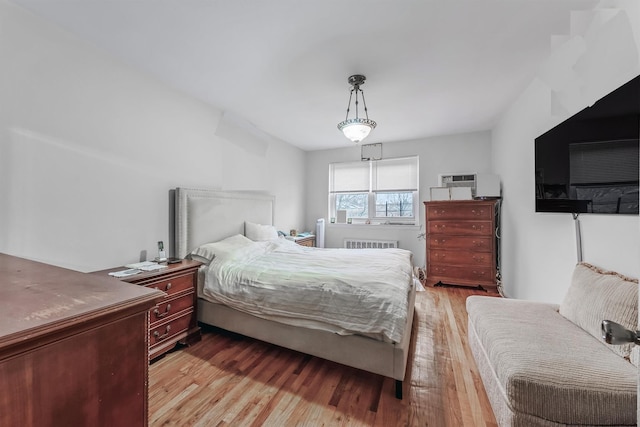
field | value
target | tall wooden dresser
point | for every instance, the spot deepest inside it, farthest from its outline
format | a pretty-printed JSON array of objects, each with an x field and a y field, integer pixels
[
  {"x": 73, "y": 347},
  {"x": 461, "y": 242}
]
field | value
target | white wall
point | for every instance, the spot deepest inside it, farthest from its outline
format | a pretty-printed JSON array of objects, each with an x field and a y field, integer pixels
[
  {"x": 463, "y": 153},
  {"x": 539, "y": 250},
  {"x": 90, "y": 147}
]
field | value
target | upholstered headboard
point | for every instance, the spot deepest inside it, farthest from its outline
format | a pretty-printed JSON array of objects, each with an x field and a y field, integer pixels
[{"x": 203, "y": 216}]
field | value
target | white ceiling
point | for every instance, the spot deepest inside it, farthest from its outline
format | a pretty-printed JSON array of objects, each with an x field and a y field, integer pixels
[{"x": 432, "y": 67}]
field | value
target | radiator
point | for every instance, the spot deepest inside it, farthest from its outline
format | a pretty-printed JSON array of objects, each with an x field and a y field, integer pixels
[{"x": 373, "y": 244}]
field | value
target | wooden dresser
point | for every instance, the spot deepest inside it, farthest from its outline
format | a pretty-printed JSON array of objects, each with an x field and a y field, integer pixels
[
  {"x": 461, "y": 242},
  {"x": 174, "y": 319},
  {"x": 72, "y": 347}
]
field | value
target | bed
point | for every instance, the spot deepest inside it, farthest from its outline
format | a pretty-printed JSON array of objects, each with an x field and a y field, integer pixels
[{"x": 206, "y": 216}]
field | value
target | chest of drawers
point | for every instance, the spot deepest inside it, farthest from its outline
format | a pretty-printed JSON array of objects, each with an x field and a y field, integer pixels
[
  {"x": 73, "y": 347},
  {"x": 174, "y": 319},
  {"x": 461, "y": 242}
]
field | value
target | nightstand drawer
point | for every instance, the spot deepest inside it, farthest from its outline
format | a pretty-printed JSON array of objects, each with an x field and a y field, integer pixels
[
  {"x": 309, "y": 241},
  {"x": 173, "y": 285},
  {"x": 170, "y": 307},
  {"x": 165, "y": 330}
]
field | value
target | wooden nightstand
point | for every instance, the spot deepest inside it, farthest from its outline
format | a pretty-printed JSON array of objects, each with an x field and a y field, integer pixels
[
  {"x": 306, "y": 241},
  {"x": 174, "y": 319}
]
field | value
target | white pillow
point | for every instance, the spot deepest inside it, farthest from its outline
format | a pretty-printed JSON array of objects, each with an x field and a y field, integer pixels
[
  {"x": 207, "y": 252},
  {"x": 202, "y": 254},
  {"x": 259, "y": 232}
]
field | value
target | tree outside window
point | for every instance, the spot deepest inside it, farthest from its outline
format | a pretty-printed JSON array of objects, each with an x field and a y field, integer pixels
[{"x": 394, "y": 204}]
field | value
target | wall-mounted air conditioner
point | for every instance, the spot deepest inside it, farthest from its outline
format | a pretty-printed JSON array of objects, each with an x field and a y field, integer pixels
[{"x": 481, "y": 184}]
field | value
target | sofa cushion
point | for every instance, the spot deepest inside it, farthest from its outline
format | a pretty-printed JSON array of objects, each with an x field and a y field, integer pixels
[
  {"x": 596, "y": 295},
  {"x": 549, "y": 368},
  {"x": 635, "y": 356}
]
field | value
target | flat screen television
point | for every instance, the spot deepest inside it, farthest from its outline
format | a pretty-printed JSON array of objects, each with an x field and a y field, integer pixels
[{"x": 590, "y": 163}]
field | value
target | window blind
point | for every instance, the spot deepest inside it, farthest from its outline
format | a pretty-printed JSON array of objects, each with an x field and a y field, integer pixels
[
  {"x": 349, "y": 177},
  {"x": 395, "y": 174},
  {"x": 399, "y": 174}
]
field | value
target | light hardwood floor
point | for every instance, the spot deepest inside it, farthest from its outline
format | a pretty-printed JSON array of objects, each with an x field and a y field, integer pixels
[{"x": 229, "y": 380}]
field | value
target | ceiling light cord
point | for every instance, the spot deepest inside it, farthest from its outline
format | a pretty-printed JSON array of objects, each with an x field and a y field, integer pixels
[
  {"x": 356, "y": 89},
  {"x": 366, "y": 112},
  {"x": 349, "y": 105}
]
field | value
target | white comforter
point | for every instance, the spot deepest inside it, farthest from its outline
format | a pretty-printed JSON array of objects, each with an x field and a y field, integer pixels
[{"x": 355, "y": 290}]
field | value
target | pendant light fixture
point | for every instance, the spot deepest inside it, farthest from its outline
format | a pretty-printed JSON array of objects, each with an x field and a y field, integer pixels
[{"x": 357, "y": 128}]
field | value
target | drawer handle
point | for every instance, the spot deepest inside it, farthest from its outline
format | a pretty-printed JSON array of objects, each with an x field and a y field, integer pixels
[
  {"x": 166, "y": 288},
  {"x": 440, "y": 226},
  {"x": 159, "y": 337},
  {"x": 439, "y": 255},
  {"x": 478, "y": 273},
  {"x": 476, "y": 227},
  {"x": 161, "y": 315},
  {"x": 477, "y": 244},
  {"x": 440, "y": 241},
  {"x": 477, "y": 213},
  {"x": 478, "y": 258}
]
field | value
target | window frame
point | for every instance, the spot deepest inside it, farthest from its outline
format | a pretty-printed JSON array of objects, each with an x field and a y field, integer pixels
[{"x": 372, "y": 193}]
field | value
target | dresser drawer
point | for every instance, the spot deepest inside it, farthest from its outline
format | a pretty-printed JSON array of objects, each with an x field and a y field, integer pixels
[
  {"x": 480, "y": 244},
  {"x": 458, "y": 211},
  {"x": 165, "y": 330},
  {"x": 170, "y": 307},
  {"x": 471, "y": 274},
  {"x": 173, "y": 285},
  {"x": 471, "y": 228},
  {"x": 461, "y": 258}
]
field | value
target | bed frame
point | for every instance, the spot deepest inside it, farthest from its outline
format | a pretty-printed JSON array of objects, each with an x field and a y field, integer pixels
[{"x": 203, "y": 216}]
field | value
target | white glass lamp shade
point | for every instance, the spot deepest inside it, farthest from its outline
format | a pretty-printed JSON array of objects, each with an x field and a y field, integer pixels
[{"x": 356, "y": 129}]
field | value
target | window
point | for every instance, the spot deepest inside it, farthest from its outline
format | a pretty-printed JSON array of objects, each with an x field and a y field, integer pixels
[{"x": 378, "y": 191}]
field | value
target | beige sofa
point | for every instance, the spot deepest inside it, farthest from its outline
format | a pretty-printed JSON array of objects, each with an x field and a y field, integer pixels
[{"x": 547, "y": 365}]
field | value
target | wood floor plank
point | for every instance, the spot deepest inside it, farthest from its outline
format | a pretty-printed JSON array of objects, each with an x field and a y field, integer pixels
[
  {"x": 425, "y": 384},
  {"x": 315, "y": 409},
  {"x": 291, "y": 395},
  {"x": 463, "y": 381},
  {"x": 230, "y": 380}
]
